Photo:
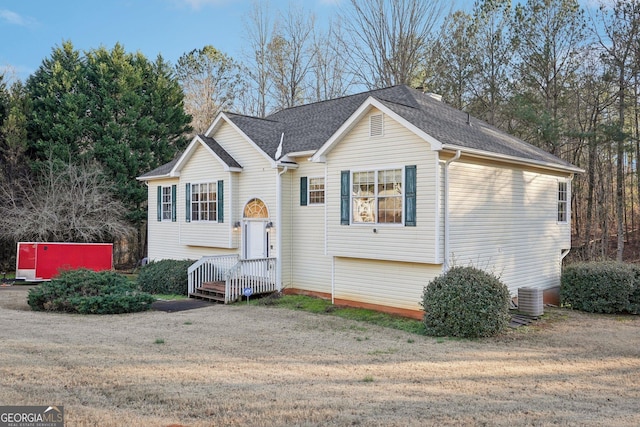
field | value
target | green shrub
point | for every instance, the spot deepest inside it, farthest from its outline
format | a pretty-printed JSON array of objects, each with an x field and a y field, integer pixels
[
  {"x": 466, "y": 302},
  {"x": 598, "y": 287},
  {"x": 634, "y": 298},
  {"x": 167, "y": 276},
  {"x": 89, "y": 292}
]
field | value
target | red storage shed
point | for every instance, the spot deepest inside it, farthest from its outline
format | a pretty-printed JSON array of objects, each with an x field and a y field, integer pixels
[{"x": 42, "y": 261}]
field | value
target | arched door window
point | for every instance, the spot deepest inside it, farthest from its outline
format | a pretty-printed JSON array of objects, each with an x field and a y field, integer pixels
[{"x": 256, "y": 208}]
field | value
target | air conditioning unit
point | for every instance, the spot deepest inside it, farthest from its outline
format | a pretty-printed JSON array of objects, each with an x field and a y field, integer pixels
[{"x": 530, "y": 301}]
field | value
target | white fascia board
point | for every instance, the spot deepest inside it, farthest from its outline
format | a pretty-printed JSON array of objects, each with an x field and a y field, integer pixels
[
  {"x": 294, "y": 154},
  {"x": 157, "y": 177},
  {"x": 371, "y": 102},
  {"x": 513, "y": 159},
  {"x": 223, "y": 116}
]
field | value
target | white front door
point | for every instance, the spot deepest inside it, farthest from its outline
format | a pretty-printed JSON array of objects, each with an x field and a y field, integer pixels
[{"x": 256, "y": 241}]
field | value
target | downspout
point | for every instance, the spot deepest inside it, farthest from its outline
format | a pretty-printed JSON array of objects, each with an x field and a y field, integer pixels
[
  {"x": 446, "y": 208},
  {"x": 279, "y": 227}
]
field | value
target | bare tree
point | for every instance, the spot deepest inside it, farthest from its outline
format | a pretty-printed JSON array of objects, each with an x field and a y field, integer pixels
[
  {"x": 290, "y": 57},
  {"x": 258, "y": 28},
  {"x": 64, "y": 203},
  {"x": 331, "y": 78},
  {"x": 492, "y": 57},
  {"x": 621, "y": 26},
  {"x": 388, "y": 39},
  {"x": 211, "y": 81}
]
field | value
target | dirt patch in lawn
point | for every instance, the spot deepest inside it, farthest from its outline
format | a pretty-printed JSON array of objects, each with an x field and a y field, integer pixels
[{"x": 262, "y": 366}]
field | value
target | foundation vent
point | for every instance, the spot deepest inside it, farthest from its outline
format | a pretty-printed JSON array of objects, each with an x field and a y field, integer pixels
[{"x": 530, "y": 301}]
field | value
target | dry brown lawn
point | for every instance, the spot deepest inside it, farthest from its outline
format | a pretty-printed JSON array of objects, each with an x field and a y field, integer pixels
[{"x": 262, "y": 366}]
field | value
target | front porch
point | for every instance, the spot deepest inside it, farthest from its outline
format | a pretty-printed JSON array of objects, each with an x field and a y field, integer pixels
[{"x": 227, "y": 278}]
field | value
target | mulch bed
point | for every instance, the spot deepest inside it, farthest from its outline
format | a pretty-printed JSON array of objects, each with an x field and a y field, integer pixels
[{"x": 179, "y": 305}]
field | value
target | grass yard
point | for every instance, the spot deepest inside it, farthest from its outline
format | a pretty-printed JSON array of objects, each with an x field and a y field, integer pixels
[{"x": 257, "y": 365}]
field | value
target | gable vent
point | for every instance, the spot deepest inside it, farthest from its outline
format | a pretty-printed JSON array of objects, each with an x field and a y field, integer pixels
[{"x": 376, "y": 125}]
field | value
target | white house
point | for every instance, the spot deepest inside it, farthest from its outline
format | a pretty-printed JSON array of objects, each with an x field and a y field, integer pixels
[{"x": 362, "y": 199}]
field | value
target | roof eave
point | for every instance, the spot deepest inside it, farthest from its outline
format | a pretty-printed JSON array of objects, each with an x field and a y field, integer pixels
[
  {"x": 156, "y": 177},
  {"x": 512, "y": 159}
]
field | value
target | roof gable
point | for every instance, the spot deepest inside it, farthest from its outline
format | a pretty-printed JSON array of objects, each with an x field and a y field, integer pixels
[
  {"x": 361, "y": 112},
  {"x": 228, "y": 163},
  {"x": 262, "y": 134}
]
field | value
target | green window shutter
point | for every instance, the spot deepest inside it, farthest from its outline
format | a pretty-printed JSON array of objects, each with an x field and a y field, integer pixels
[
  {"x": 410, "y": 196},
  {"x": 187, "y": 198},
  {"x": 345, "y": 209},
  {"x": 303, "y": 191},
  {"x": 220, "y": 201},
  {"x": 174, "y": 192},
  {"x": 159, "y": 203}
]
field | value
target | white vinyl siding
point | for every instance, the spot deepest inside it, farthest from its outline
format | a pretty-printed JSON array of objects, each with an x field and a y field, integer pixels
[
  {"x": 162, "y": 235},
  {"x": 394, "y": 284},
  {"x": 504, "y": 220},
  {"x": 257, "y": 180},
  {"x": 359, "y": 152},
  {"x": 304, "y": 259}
]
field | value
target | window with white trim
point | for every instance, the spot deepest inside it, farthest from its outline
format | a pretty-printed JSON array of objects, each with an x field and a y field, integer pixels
[
  {"x": 377, "y": 197},
  {"x": 316, "y": 191},
  {"x": 563, "y": 193},
  {"x": 204, "y": 201},
  {"x": 167, "y": 203}
]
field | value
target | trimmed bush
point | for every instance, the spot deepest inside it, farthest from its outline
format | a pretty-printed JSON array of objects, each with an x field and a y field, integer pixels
[
  {"x": 634, "y": 299},
  {"x": 598, "y": 287},
  {"x": 466, "y": 302},
  {"x": 89, "y": 292},
  {"x": 167, "y": 276}
]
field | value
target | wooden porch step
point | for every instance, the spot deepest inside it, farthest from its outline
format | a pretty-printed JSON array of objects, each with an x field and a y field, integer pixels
[
  {"x": 208, "y": 297},
  {"x": 210, "y": 291},
  {"x": 214, "y": 286}
]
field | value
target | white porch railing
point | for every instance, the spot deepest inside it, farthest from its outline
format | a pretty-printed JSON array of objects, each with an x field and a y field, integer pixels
[
  {"x": 210, "y": 269},
  {"x": 257, "y": 274}
]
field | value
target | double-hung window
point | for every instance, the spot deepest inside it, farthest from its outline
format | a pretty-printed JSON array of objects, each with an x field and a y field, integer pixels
[
  {"x": 316, "y": 191},
  {"x": 167, "y": 202},
  {"x": 311, "y": 191},
  {"x": 377, "y": 197},
  {"x": 204, "y": 202},
  {"x": 563, "y": 206},
  {"x": 166, "y": 207}
]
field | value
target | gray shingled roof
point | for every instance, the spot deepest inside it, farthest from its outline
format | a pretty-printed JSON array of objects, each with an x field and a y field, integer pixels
[
  {"x": 220, "y": 152},
  {"x": 308, "y": 127},
  {"x": 161, "y": 170}
]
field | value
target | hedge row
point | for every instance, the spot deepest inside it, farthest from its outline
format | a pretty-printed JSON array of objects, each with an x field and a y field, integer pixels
[
  {"x": 165, "y": 277},
  {"x": 601, "y": 287}
]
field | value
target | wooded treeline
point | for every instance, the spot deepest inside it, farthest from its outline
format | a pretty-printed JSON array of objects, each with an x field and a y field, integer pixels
[{"x": 563, "y": 78}]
